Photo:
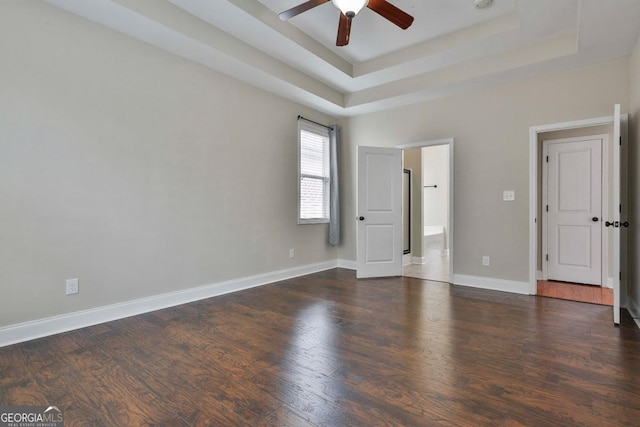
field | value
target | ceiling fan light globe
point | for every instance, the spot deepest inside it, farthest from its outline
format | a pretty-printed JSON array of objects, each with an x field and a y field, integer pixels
[{"x": 350, "y": 8}]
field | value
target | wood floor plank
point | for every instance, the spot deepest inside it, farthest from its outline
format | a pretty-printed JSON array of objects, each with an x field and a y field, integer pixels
[
  {"x": 284, "y": 417},
  {"x": 576, "y": 292},
  {"x": 12, "y": 366},
  {"x": 182, "y": 369},
  {"x": 329, "y": 350},
  {"x": 117, "y": 396}
]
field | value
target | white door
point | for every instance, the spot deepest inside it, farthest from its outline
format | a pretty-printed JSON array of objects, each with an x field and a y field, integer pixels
[
  {"x": 574, "y": 211},
  {"x": 379, "y": 210},
  {"x": 616, "y": 222}
]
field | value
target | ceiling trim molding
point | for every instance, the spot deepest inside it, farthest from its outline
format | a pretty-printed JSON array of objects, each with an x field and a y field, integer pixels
[{"x": 246, "y": 40}]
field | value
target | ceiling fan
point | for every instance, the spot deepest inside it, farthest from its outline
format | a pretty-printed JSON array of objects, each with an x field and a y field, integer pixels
[{"x": 349, "y": 9}]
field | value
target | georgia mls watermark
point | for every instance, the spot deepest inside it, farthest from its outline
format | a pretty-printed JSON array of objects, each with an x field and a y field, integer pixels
[{"x": 31, "y": 416}]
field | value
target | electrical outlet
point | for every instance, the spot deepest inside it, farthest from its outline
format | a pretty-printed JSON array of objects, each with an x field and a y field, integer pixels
[
  {"x": 486, "y": 261},
  {"x": 292, "y": 253},
  {"x": 509, "y": 196},
  {"x": 73, "y": 286}
]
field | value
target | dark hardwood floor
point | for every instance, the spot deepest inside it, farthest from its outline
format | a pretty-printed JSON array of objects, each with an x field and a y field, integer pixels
[{"x": 330, "y": 350}]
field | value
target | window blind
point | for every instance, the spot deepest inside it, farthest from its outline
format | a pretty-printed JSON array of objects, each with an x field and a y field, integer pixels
[{"x": 314, "y": 174}]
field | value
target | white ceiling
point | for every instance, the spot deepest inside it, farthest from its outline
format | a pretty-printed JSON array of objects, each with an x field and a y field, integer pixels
[{"x": 451, "y": 46}]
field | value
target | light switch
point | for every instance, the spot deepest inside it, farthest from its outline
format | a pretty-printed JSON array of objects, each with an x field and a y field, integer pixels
[{"x": 509, "y": 195}]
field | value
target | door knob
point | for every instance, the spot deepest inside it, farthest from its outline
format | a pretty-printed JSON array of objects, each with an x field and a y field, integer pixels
[
  {"x": 361, "y": 218},
  {"x": 594, "y": 219},
  {"x": 625, "y": 224}
]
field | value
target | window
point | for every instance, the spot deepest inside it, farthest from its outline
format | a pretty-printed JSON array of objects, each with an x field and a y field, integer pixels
[{"x": 313, "y": 177}]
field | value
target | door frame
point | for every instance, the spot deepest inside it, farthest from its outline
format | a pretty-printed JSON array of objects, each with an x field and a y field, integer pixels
[
  {"x": 533, "y": 189},
  {"x": 450, "y": 232},
  {"x": 604, "y": 202}
]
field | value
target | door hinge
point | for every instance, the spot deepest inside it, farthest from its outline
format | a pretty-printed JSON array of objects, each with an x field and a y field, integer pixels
[
  {"x": 620, "y": 140},
  {"x": 547, "y": 257},
  {"x": 547, "y": 208},
  {"x": 547, "y": 159},
  {"x": 621, "y": 275}
]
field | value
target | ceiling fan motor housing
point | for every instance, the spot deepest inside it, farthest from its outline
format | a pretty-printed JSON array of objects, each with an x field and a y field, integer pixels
[
  {"x": 349, "y": 9},
  {"x": 481, "y": 4}
]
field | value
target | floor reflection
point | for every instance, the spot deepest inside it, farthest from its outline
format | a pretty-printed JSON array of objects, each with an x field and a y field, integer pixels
[{"x": 436, "y": 269}]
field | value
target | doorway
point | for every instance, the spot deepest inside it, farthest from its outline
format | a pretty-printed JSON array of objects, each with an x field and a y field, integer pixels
[
  {"x": 574, "y": 248},
  {"x": 379, "y": 224},
  {"x": 429, "y": 256},
  {"x": 575, "y": 177},
  {"x": 613, "y": 211}
]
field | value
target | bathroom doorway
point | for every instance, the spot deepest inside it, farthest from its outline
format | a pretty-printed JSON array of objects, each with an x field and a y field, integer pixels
[{"x": 431, "y": 203}]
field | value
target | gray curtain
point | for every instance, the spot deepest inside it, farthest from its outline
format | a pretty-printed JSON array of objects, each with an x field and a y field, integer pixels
[{"x": 334, "y": 197}]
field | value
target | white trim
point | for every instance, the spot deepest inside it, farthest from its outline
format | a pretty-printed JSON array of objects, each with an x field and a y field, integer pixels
[
  {"x": 418, "y": 260},
  {"x": 544, "y": 220},
  {"x": 598, "y": 121},
  {"x": 609, "y": 283},
  {"x": 533, "y": 208},
  {"x": 533, "y": 182},
  {"x": 67, "y": 322},
  {"x": 431, "y": 143},
  {"x": 540, "y": 275},
  {"x": 323, "y": 131},
  {"x": 348, "y": 264},
  {"x": 406, "y": 259},
  {"x": 492, "y": 284}
]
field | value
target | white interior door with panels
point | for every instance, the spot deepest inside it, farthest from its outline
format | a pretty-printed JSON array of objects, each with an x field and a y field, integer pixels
[
  {"x": 573, "y": 211},
  {"x": 615, "y": 213},
  {"x": 379, "y": 209},
  {"x": 619, "y": 210}
]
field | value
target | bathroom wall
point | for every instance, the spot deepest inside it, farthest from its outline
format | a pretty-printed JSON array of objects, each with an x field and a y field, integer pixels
[{"x": 435, "y": 171}]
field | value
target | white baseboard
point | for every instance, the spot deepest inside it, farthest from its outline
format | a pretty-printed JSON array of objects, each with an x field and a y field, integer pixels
[
  {"x": 67, "y": 322},
  {"x": 493, "y": 284},
  {"x": 406, "y": 259},
  {"x": 348, "y": 264},
  {"x": 418, "y": 260},
  {"x": 609, "y": 283}
]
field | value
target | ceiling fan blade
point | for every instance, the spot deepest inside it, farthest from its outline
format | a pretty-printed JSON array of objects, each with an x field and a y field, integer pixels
[
  {"x": 392, "y": 13},
  {"x": 303, "y": 7},
  {"x": 344, "y": 30}
]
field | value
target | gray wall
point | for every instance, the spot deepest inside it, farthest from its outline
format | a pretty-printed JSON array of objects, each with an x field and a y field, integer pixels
[
  {"x": 634, "y": 180},
  {"x": 435, "y": 171},
  {"x": 136, "y": 171},
  {"x": 142, "y": 173},
  {"x": 491, "y": 131}
]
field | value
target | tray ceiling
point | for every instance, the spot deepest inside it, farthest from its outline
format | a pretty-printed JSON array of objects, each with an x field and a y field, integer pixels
[{"x": 451, "y": 46}]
